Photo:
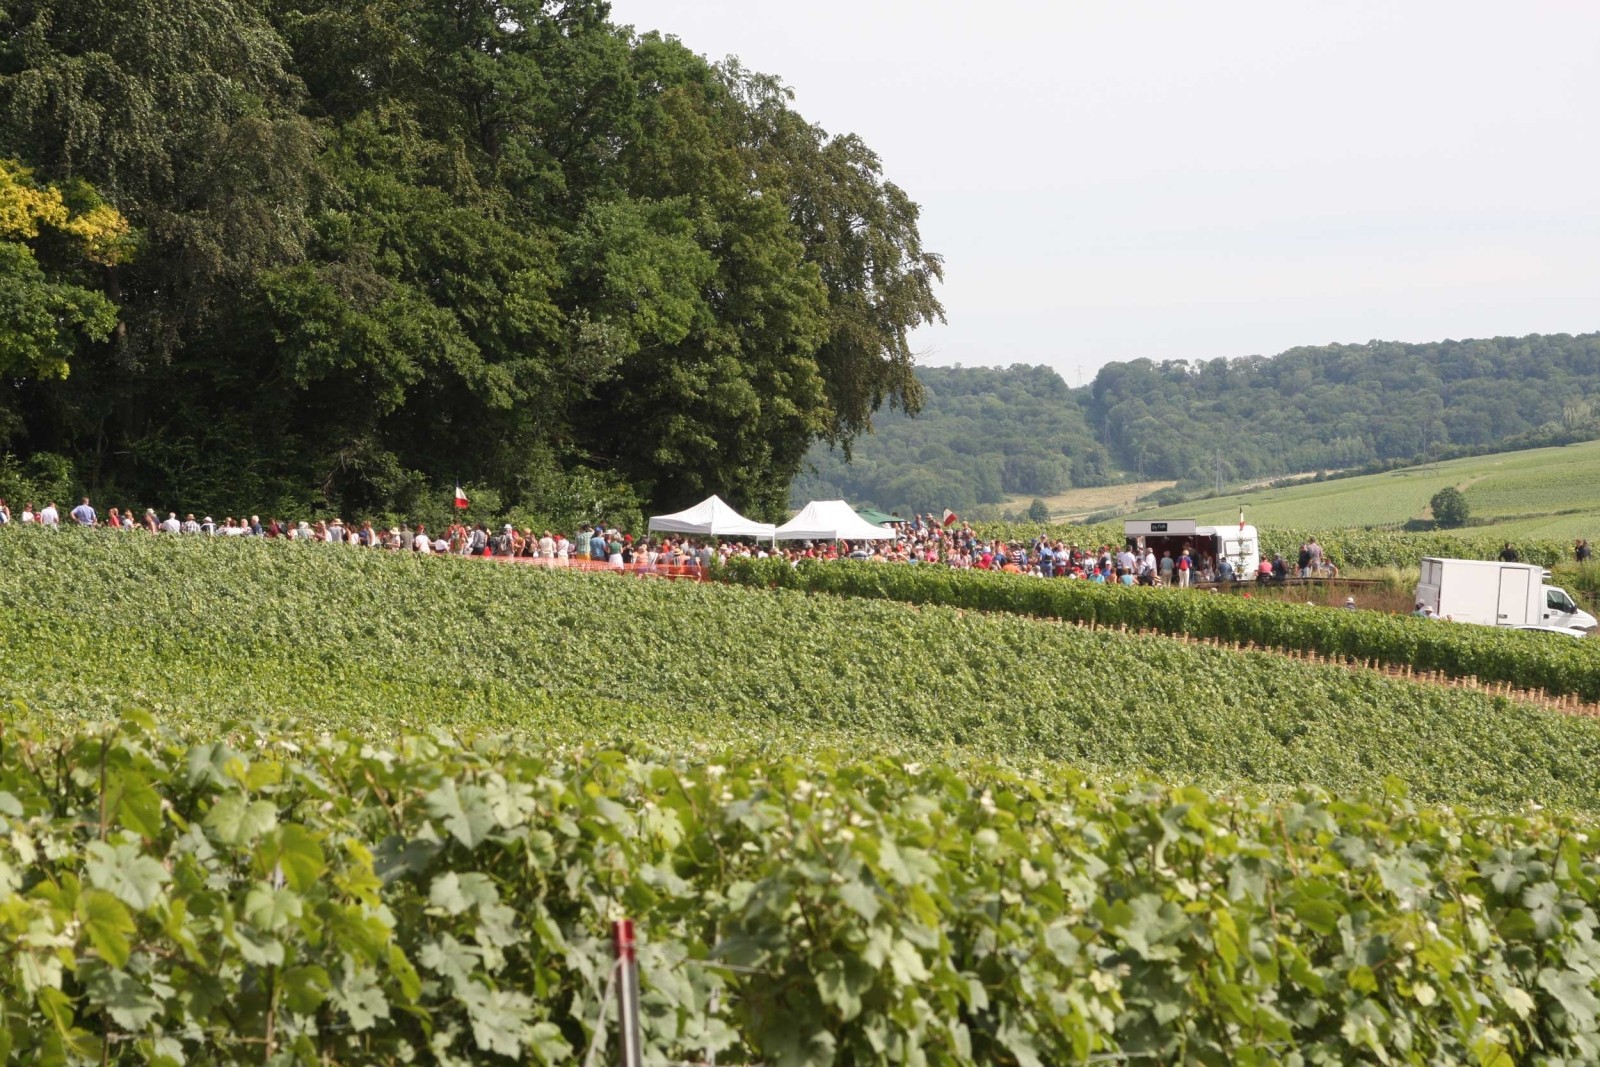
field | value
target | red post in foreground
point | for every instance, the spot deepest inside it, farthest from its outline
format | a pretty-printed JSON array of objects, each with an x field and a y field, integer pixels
[{"x": 623, "y": 943}]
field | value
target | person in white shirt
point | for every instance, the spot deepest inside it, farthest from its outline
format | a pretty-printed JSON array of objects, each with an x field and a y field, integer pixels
[
  {"x": 547, "y": 546},
  {"x": 28, "y": 515},
  {"x": 170, "y": 524},
  {"x": 50, "y": 516},
  {"x": 420, "y": 541}
]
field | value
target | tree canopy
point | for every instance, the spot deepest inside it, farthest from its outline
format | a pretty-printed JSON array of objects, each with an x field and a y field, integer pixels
[
  {"x": 373, "y": 247},
  {"x": 1449, "y": 507},
  {"x": 1340, "y": 406},
  {"x": 989, "y": 435}
]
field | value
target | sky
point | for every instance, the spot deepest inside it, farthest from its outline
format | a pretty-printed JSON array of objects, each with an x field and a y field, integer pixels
[{"x": 1178, "y": 180}]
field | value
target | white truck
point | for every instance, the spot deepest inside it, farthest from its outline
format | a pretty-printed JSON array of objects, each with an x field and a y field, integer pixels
[
  {"x": 1490, "y": 593},
  {"x": 1207, "y": 545}
]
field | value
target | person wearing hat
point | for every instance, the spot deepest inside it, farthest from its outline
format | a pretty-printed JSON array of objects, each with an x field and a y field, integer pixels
[{"x": 1349, "y": 603}]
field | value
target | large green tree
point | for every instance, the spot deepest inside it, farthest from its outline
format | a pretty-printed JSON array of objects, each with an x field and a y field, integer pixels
[{"x": 388, "y": 244}]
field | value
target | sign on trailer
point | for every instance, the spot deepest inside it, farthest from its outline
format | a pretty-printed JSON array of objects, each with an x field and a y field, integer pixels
[{"x": 1158, "y": 527}]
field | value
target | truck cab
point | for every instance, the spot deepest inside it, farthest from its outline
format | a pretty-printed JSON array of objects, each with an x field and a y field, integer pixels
[{"x": 1561, "y": 611}]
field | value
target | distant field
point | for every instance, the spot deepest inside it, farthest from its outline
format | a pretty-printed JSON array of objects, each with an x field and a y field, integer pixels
[
  {"x": 1077, "y": 504},
  {"x": 1543, "y": 492}
]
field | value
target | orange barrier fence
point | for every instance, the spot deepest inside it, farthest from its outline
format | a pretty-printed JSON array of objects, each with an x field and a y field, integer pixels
[{"x": 639, "y": 570}]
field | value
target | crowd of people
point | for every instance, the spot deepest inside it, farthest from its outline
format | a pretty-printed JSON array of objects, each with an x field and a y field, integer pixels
[
  {"x": 592, "y": 542},
  {"x": 921, "y": 540}
]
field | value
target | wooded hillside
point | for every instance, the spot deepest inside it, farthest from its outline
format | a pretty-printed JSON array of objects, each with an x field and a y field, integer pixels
[{"x": 987, "y": 435}]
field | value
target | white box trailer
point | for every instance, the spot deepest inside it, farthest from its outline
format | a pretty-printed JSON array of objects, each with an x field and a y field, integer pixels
[
  {"x": 1207, "y": 545},
  {"x": 1490, "y": 593}
]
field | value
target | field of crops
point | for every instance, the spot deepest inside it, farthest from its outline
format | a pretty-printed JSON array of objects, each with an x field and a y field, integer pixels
[
  {"x": 317, "y": 900},
  {"x": 207, "y": 630},
  {"x": 315, "y": 849},
  {"x": 1536, "y": 493},
  {"x": 1524, "y": 660}
]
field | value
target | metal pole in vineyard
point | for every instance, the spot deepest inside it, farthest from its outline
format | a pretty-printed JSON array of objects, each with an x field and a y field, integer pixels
[{"x": 622, "y": 941}]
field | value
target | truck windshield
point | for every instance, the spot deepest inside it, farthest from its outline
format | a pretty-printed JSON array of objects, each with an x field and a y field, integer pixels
[{"x": 1558, "y": 600}]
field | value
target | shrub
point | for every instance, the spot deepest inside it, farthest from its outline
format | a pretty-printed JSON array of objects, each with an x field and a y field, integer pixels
[{"x": 1449, "y": 507}]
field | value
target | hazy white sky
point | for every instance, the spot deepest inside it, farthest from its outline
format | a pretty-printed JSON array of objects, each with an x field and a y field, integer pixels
[{"x": 1181, "y": 180}]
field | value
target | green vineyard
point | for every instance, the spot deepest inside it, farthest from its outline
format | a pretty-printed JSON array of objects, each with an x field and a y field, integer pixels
[
  {"x": 297, "y": 804},
  {"x": 201, "y": 630},
  {"x": 1528, "y": 660},
  {"x": 333, "y": 900}
]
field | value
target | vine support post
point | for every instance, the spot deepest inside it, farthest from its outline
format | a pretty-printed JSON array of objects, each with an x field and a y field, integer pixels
[{"x": 626, "y": 949}]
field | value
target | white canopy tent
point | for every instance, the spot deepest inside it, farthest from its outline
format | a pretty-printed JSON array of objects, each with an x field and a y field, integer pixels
[
  {"x": 711, "y": 518},
  {"x": 831, "y": 520}
]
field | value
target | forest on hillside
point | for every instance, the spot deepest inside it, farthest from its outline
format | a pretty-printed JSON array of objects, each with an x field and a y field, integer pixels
[
  {"x": 987, "y": 435},
  {"x": 335, "y": 255}
]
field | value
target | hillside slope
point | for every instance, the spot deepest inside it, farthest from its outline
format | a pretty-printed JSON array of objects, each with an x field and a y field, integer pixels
[
  {"x": 1532, "y": 493},
  {"x": 204, "y": 631},
  {"x": 988, "y": 436}
]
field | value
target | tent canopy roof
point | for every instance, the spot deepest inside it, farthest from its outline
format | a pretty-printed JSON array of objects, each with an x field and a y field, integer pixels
[
  {"x": 831, "y": 520},
  {"x": 711, "y": 518},
  {"x": 876, "y": 517}
]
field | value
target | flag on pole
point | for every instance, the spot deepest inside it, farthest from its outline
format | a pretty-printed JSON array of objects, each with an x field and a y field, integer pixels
[
  {"x": 1241, "y": 519},
  {"x": 461, "y": 498},
  {"x": 950, "y": 516}
]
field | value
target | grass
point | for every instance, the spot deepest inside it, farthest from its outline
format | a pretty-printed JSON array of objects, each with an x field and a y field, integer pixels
[
  {"x": 207, "y": 631},
  {"x": 1537, "y": 493},
  {"x": 1074, "y": 505}
]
